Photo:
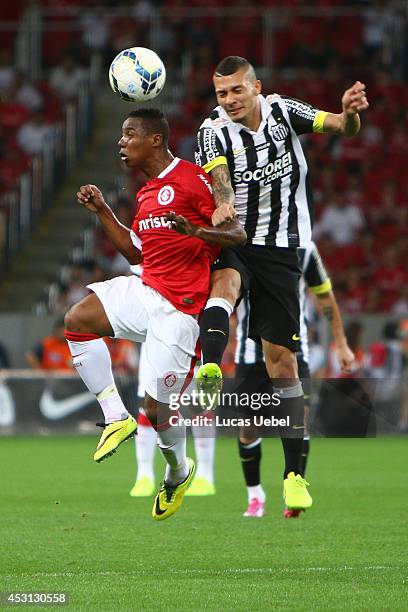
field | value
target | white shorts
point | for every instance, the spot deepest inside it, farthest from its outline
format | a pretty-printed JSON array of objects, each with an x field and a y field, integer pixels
[{"x": 139, "y": 313}]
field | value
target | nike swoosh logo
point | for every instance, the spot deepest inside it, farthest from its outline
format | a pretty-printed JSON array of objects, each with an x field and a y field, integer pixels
[
  {"x": 107, "y": 438},
  {"x": 295, "y": 337},
  {"x": 159, "y": 511},
  {"x": 239, "y": 151},
  {"x": 298, "y": 426},
  {"x": 217, "y": 330},
  {"x": 58, "y": 409}
]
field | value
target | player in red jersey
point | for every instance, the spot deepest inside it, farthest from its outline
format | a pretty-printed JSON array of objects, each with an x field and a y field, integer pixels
[{"x": 162, "y": 306}]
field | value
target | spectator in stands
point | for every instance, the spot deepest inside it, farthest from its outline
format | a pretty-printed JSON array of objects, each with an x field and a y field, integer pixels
[
  {"x": 24, "y": 92},
  {"x": 77, "y": 285},
  {"x": 35, "y": 136},
  {"x": 7, "y": 69},
  {"x": 354, "y": 297},
  {"x": 12, "y": 113},
  {"x": 389, "y": 277},
  {"x": 67, "y": 78},
  {"x": 340, "y": 220},
  {"x": 403, "y": 420},
  {"x": 95, "y": 28},
  {"x": 400, "y": 307},
  {"x": 13, "y": 163},
  {"x": 52, "y": 353},
  {"x": 385, "y": 361}
]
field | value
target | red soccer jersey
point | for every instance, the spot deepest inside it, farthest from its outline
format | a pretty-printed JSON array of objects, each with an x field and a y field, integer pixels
[{"x": 176, "y": 265}]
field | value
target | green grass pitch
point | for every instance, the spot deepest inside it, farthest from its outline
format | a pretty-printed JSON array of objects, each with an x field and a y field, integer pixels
[{"x": 68, "y": 524}]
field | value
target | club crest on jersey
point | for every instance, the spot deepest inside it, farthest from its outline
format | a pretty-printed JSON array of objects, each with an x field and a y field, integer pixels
[
  {"x": 165, "y": 195},
  {"x": 170, "y": 379},
  {"x": 279, "y": 131}
]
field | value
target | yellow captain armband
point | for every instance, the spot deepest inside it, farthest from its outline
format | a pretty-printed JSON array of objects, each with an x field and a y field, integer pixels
[
  {"x": 218, "y": 161},
  {"x": 323, "y": 288},
  {"x": 319, "y": 121}
]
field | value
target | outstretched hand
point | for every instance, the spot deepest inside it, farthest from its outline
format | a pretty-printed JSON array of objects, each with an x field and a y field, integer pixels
[
  {"x": 91, "y": 197},
  {"x": 181, "y": 224},
  {"x": 354, "y": 99},
  {"x": 345, "y": 358}
]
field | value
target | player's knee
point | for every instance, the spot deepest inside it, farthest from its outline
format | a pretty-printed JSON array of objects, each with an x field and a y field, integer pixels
[
  {"x": 286, "y": 367},
  {"x": 282, "y": 364},
  {"x": 245, "y": 441},
  {"x": 247, "y": 435},
  {"x": 70, "y": 320},
  {"x": 76, "y": 319},
  {"x": 226, "y": 284}
]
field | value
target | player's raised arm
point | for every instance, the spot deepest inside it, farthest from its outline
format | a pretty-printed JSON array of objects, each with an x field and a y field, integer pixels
[
  {"x": 347, "y": 123},
  {"x": 229, "y": 233},
  {"x": 92, "y": 199}
]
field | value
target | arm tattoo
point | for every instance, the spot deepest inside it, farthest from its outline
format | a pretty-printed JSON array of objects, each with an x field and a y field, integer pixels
[
  {"x": 328, "y": 313},
  {"x": 221, "y": 184}
]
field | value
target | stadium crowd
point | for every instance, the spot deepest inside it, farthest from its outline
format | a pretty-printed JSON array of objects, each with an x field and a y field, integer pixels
[{"x": 361, "y": 197}]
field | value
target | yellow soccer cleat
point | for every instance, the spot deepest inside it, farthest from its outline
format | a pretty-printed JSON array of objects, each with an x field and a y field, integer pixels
[
  {"x": 295, "y": 493},
  {"x": 209, "y": 385},
  {"x": 143, "y": 487},
  {"x": 201, "y": 486},
  {"x": 169, "y": 498},
  {"x": 113, "y": 435}
]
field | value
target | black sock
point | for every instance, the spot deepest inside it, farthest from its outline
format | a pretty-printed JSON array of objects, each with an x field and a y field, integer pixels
[
  {"x": 214, "y": 333},
  {"x": 292, "y": 448},
  {"x": 292, "y": 434},
  {"x": 251, "y": 463},
  {"x": 305, "y": 454}
]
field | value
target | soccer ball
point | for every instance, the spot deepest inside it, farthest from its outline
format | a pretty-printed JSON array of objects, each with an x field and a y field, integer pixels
[{"x": 137, "y": 74}]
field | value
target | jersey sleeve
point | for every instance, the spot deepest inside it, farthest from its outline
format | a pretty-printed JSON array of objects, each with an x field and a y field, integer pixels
[
  {"x": 315, "y": 274},
  {"x": 210, "y": 152},
  {"x": 305, "y": 119},
  {"x": 203, "y": 200}
]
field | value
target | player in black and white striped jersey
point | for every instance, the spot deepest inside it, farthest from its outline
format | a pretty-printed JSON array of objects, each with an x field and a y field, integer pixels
[
  {"x": 251, "y": 149},
  {"x": 253, "y": 376}
]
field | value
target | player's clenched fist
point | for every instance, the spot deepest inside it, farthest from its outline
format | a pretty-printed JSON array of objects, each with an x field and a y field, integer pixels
[
  {"x": 354, "y": 99},
  {"x": 225, "y": 212},
  {"x": 91, "y": 197}
]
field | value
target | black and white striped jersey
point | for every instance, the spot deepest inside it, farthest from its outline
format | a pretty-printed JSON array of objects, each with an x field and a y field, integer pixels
[
  {"x": 315, "y": 278},
  {"x": 268, "y": 169}
]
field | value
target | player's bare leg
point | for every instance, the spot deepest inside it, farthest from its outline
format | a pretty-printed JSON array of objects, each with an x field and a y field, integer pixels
[
  {"x": 214, "y": 331},
  {"x": 86, "y": 323},
  {"x": 282, "y": 369},
  {"x": 179, "y": 469}
]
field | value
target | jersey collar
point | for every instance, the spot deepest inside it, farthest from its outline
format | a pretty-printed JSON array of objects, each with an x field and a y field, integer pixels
[{"x": 169, "y": 168}]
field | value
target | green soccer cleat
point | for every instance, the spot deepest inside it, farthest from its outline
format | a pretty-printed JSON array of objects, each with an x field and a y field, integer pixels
[
  {"x": 295, "y": 493},
  {"x": 143, "y": 487},
  {"x": 169, "y": 498},
  {"x": 209, "y": 385},
  {"x": 113, "y": 435},
  {"x": 201, "y": 486}
]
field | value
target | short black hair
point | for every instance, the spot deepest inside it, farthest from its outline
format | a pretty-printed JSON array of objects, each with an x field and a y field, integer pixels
[
  {"x": 232, "y": 63},
  {"x": 154, "y": 122}
]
